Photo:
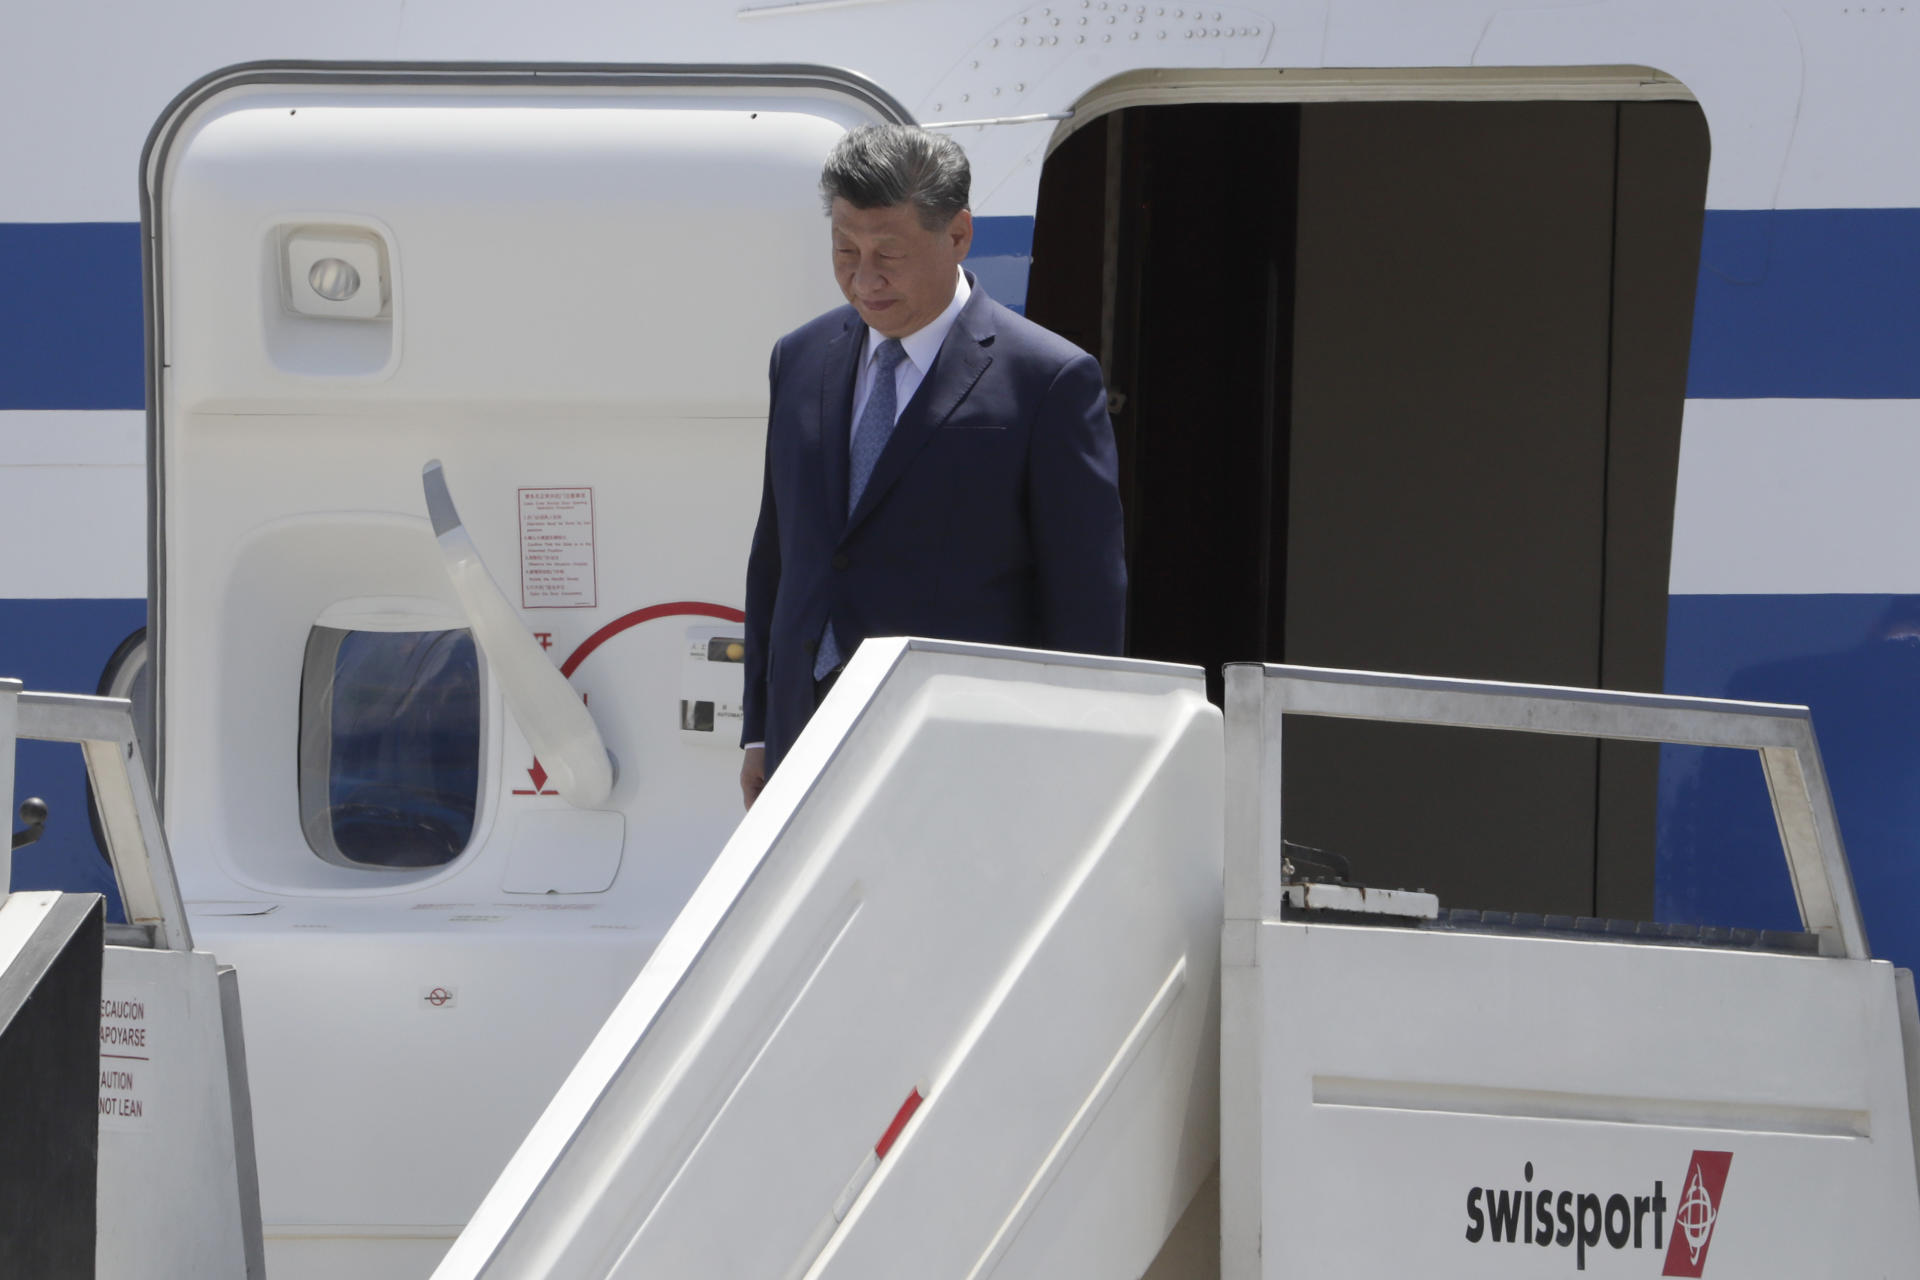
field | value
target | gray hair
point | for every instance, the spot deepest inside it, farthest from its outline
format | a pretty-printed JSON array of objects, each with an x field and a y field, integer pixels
[{"x": 878, "y": 166}]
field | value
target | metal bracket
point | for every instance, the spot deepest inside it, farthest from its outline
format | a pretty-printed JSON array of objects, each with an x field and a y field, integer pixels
[{"x": 1259, "y": 697}]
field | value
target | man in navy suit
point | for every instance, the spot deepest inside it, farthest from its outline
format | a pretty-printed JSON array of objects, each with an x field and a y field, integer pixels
[{"x": 936, "y": 465}]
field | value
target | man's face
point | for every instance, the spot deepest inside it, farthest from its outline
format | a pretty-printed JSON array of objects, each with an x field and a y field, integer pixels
[{"x": 897, "y": 274}]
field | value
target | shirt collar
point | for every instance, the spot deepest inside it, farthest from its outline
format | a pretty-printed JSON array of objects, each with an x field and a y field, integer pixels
[{"x": 923, "y": 344}]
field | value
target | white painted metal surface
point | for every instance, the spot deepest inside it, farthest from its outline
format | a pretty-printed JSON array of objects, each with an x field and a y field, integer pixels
[
  {"x": 988, "y": 878},
  {"x": 20, "y": 915},
  {"x": 1410, "y": 904},
  {"x": 537, "y": 318},
  {"x": 171, "y": 1191},
  {"x": 1402, "y": 1071},
  {"x": 1799, "y": 132},
  {"x": 1794, "y": 496}
]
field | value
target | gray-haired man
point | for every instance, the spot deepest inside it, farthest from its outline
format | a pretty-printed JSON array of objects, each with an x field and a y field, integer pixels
[{"x": 936, "y": 465}]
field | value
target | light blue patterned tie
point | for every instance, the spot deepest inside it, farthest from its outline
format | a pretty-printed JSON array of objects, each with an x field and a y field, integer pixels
[
  {"x": 869, "y": 440},
  {"x": 876, "y": 421}
]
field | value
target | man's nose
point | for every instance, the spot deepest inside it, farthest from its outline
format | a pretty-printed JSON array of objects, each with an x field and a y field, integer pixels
[{"x": 867, "y": 277}]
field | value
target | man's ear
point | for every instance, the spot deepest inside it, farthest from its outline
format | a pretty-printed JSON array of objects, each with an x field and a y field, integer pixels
[{"x": 960, "y": 230}]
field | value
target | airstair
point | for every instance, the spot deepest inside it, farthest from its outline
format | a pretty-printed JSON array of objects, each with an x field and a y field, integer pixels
[
  {"x": 1006, "y": 975},
  {"x": 947, "y": 1006},
  {"x": 1410, "y": 1091},
  {"x": 123, "y": 1087}
]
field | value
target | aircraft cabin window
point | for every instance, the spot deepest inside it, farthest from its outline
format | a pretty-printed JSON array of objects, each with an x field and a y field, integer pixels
[{"x": 389, "y": 746}]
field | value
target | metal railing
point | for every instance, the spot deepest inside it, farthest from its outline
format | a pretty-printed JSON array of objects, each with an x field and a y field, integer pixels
[
  {"x": 136, "y": 843},
  {"x": 1260, "y": 697}
]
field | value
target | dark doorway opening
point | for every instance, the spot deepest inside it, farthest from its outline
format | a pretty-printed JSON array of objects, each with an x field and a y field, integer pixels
[{"x": 1399, "y": 386}]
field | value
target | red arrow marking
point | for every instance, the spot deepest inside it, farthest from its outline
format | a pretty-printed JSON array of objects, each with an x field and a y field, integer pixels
[{"x": 539, "y": 775}]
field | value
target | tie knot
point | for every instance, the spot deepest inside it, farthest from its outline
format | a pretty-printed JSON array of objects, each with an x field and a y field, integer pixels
[{"x": 889, "y": 354}]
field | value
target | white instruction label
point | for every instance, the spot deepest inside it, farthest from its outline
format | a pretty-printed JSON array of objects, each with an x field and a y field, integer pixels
[
  {"x": 556, "y": 549},
  {"x": 126, "y": 1056}
]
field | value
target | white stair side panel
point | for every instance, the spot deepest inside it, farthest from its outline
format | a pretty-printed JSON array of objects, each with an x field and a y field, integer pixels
[
  {"x": 170, "y": 1197},
  {"x": 986, "y": 875},
  {"x": 1402, "y": 1069}
]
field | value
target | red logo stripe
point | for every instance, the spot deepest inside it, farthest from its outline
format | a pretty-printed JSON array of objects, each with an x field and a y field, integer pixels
[{"x": 1696, "y": 1212}]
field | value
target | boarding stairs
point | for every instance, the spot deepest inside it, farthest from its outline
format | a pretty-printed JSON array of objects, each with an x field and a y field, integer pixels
[
  {"x": 123, "y": 1086},
  {"x": 957, "y": 1000},
  {"x": 1005, "y": 975}
]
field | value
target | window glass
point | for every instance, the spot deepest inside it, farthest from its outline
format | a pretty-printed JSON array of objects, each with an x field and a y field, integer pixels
[{"x": 389, "y": 746}]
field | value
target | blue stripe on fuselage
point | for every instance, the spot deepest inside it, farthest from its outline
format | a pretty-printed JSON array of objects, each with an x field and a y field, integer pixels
[
  {"x": 70, "y": 310},
  {"x": 1808, "y": 303},
  {"x": 70, "y": 316},
  {"x": 1001, "y": 257},
  {"x": 1791, "y": 303},
  {"x": 1855, "y": 660}
]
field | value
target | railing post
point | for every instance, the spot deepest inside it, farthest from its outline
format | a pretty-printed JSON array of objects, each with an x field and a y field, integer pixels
[
  {"x": 136, "y": 843},
  {"x": 9, "y": 733}
]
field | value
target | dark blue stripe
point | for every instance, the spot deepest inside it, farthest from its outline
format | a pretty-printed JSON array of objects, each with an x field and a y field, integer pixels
[
  {"x": 1791, "y": 303},
  {"x": 1001, "y": 256},
  {"x": 1855, "y": 659},
  {"x": 1002, "y": 237},
  {"x": 62, "y": 646},
  {"x": 1808, "y": 303},
  {"x": 70, "y": 322}
]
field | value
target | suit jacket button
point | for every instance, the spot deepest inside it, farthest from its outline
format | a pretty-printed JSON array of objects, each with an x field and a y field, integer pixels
[
  {"x": 840, "y": 561},
  {"x": 812, "y": 647}
]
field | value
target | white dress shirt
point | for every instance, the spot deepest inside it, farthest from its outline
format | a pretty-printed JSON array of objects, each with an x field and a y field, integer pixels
[{"x": 921, "y": 346}]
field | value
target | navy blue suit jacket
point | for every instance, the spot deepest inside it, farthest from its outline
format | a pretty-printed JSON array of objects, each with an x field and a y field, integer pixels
[{"x": 993, "y": 514}]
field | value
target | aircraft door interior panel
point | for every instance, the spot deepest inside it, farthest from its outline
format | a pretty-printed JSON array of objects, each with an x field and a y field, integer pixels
[
  {"x": 565, "y": 293},
  {"x": 1398, "y": 386}
]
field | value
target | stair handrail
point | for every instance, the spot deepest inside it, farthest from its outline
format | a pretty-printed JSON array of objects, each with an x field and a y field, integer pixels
[
  {"x": 136, "y": 842},
  {"x": 1260, "y": 696}
]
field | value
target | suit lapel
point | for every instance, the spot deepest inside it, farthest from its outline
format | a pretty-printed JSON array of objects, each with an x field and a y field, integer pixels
[
  {"x": 963, "y": 357},
  {"x": 836, "y": 412}
]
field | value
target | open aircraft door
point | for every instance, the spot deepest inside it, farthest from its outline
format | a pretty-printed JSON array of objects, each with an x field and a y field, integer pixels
[{"x": 562, "y": 284}]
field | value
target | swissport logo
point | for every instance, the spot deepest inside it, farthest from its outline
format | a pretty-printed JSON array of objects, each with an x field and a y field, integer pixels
[
  {"x": 1584, "y": 1220},
  {"x": 1698, "y": 1210}
]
